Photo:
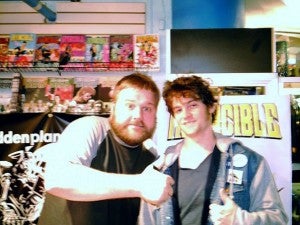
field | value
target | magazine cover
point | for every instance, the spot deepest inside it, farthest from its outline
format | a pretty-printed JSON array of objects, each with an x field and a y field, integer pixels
[
  {"x": 72, "y": 51},
  {"x": 93, "y": 95},
  {"x": 60, "y": 92},
  {"x": 5, "y": 94},
  {"x": 85, "y": 100},
  {"x": 10, "y": 93},
  {"x": 21, "y": 49},
  {"x": 4, "y": 40},
  {"x": 121, "y": 52},
  {"x": 16, "y": 91},
  {"x": 103, "y": 91},
  {"x": 97, "y": 52},
  {"x": 146, "y": 52},
  {"x": 47, "y": 52},
  {"x": 35, "y": 96}
]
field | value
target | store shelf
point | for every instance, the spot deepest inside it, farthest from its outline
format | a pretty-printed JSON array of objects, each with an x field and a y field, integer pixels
[
  {"x": 289, "y": 85},
  {"x": 72, "y": 67}
]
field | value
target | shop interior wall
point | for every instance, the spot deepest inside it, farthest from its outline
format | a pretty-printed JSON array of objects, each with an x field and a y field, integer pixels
[{"x": 93, "y": 17}]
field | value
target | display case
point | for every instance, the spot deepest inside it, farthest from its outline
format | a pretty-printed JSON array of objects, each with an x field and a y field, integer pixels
[{"x": 288, "y": 54}]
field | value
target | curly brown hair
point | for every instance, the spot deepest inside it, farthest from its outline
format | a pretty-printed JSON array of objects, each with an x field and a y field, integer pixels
[{"x": 189, "y": 87}]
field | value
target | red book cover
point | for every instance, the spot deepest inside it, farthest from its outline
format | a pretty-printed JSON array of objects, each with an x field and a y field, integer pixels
[
  {"x": 4, "y": 40},
  {"x": 21, "y": 49},
  {"x": 121, "y": 52},
  {"x": 146, "y": 52},
  {"x": 60, "y": 91},
  {"x": 97, "y": 52},
  {"x": 47, "y": 52},
  {"x": 72, "y": 51}
]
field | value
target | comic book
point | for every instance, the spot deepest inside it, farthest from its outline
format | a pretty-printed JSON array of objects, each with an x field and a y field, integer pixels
[
  {"x": 97, "y": 52},
  {"x": 60, "y": 91},
  {"x": 10, "y": 91},
  {"x": 100, "y": 102},
  {"x": 146, "y": 52},
  {"x": 21, "y": 50},
  {"x": 5, "y": 94},
  {"x": 35, "y": 96},
  {"x": 121, "y": 52},
  {"x": 103, "y": 92},
  {"x": 47, "y": 52},
  {"x": 72, "y": 52},
  {"x": 85, "y": 100},
  {"x": 4, "y": 40},
  {"x": 16, "y": 90}
]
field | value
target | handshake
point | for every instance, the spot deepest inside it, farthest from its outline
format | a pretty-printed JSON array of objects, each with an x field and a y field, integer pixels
[{"x": 155, "y": 186}]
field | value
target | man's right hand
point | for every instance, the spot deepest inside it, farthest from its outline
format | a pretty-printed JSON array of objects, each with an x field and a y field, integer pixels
[{"x": 155, "y": 187}]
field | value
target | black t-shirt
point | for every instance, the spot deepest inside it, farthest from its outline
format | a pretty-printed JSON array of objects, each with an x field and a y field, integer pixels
[{"x": 111, "y": 157}]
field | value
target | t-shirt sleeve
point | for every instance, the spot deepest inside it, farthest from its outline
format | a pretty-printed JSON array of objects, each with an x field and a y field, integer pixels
[{"x": 79, "y": 141}]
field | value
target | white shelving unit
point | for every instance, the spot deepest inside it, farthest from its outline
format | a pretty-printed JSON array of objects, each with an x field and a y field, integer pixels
[
  {"x": 289, "y": 85},
  {"x": 267, "y": 80}
]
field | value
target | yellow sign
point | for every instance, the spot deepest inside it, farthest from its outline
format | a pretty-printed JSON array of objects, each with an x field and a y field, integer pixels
[{"x": 241, "y": 120}]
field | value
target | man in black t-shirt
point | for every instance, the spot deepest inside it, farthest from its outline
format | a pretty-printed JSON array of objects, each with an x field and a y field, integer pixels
[{"x": 100, "y": 165}]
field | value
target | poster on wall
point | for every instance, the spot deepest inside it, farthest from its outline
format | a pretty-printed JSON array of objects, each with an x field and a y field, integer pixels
[
  {"x": 22, "y": 181},
  {"x": 259, "y": 122}
]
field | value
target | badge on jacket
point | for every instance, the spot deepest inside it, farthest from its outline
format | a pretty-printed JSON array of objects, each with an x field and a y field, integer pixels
[{"x": 235, "y": 176}]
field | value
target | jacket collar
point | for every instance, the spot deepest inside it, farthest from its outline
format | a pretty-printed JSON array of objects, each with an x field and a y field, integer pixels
[{"x": 223, "y": 143}]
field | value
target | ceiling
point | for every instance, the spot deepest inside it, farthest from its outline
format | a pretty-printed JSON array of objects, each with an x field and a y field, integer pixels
[
  {"x": 256, "y": 6},
  {"x": 282, "y": 15}
]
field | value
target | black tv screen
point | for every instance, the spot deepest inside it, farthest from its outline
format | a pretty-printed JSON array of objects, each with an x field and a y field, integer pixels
[{"x": 224, "y": 50}]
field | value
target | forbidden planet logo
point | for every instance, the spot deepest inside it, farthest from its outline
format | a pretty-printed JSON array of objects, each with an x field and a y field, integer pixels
[{"x": 12, "y": 138}]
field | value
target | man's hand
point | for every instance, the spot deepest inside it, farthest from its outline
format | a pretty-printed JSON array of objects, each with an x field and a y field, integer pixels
[
  {"x": 223, "y": 214},
  {"x": 155, "y": 187}
]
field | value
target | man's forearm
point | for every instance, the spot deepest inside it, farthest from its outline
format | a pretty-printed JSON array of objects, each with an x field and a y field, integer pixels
[{"x": 81, "y": 183}]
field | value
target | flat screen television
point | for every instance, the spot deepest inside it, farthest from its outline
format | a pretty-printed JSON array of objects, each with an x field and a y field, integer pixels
[{"x": 224, "y": 50}]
